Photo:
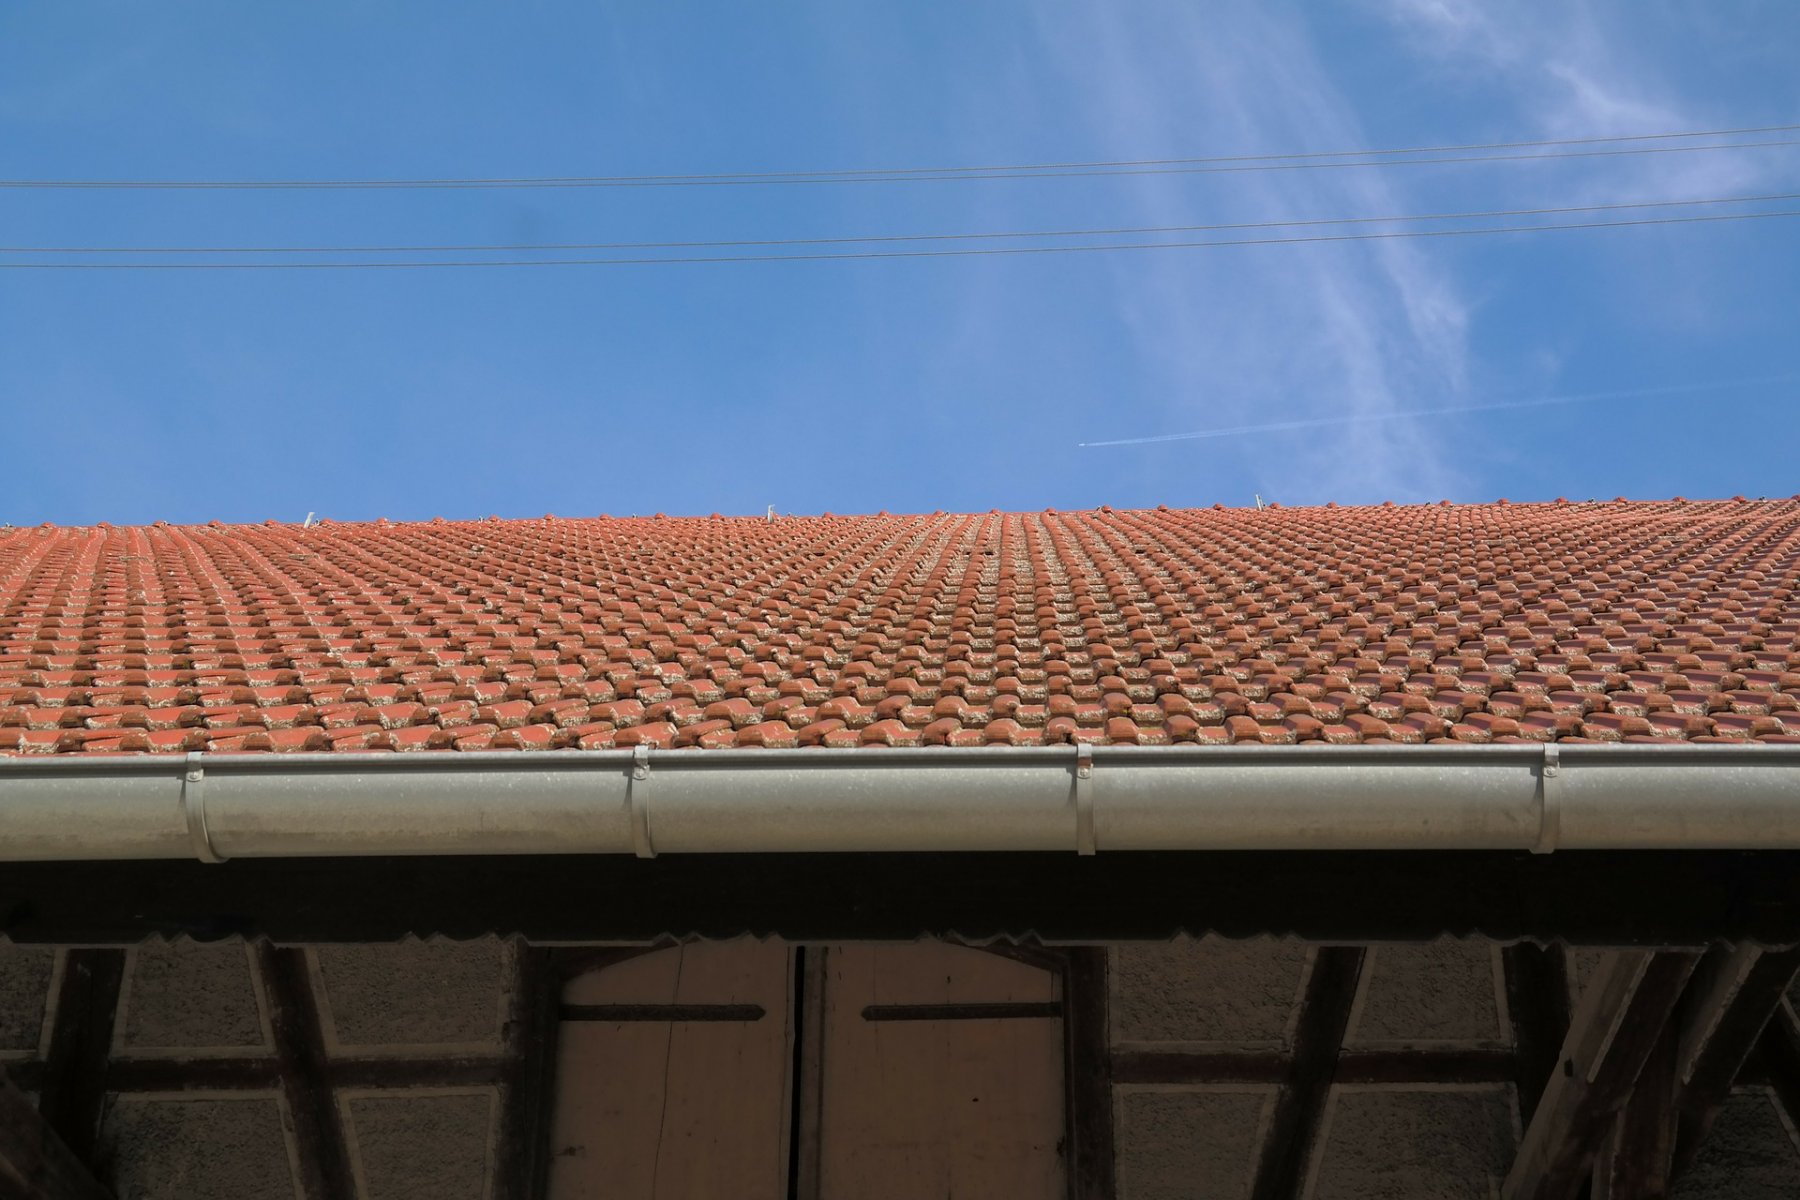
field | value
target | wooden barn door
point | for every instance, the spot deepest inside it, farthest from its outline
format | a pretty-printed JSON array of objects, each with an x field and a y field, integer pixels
[
  {"x": 761, "y": 1071},
  {"x": 942, "y": 1075},
  {"x": 672, "y": 1077}
]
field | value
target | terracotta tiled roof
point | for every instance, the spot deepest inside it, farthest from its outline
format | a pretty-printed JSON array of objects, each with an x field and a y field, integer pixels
[{"x": 1477, "y": 623}]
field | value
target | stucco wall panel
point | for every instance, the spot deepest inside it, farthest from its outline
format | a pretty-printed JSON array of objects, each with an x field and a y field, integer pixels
[
  {"x": 414, "y": 992},
  {"x": 1437, "y": 1144},
  {"x": 189, "y": 995},
  {"x": 165, "y": 1148},
  {"x": 1189, "y": 1144},
  {"x": 1442, "y": 991},
  {"x": 417, "y": 1147},
  {"x": 24, "y": 987},
  {"x": 1209, "y": 989},
  {"x": 1749, "y": 1155}
]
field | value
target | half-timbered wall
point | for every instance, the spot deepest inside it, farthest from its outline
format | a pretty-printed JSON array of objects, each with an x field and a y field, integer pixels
[{"x": 1247, "y": 1069}]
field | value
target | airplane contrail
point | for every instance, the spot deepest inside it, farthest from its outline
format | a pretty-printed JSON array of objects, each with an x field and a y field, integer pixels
[{"x": 1399, "y": 414}]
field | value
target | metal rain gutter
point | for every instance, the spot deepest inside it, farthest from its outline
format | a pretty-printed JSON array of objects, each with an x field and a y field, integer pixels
[{"x": 1078, "y": 799}]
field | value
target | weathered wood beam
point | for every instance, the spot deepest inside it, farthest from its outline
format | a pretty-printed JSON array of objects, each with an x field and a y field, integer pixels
[
  {"x": 1474, "y": 1065},
  {"x": 1537, "y": 1004},
  {"x": 528, "y": 1088},
  {"x": 319, "y": 1139},
  {"x": 74, "y": 1088},
  {"x": 35, "y": 1164},
  {"x": 1088, "y": 1056},
  {"x": 1613, "y": 1033},
  {"x": 1734, "y": 993},
  {"x": 1294, "y": 1127}
]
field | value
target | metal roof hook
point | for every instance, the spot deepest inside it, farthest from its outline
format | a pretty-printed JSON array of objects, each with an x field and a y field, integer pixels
[
  {"x": 1550, "y": 797},
  {"x": 1084, "y": 799},
  {"x": 193, "y": 808},
  {"x": 637, "y": 802}
]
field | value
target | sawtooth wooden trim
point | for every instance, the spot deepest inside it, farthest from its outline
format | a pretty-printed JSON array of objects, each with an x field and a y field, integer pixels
[
  {"x": 1319, "y": 1037},
  {"x": 319, "y": 1139},
  {"x": 73, "y": 1087},
  {"x": 35, "y": 1164},
  {"x": 1616, "y": 1027}
]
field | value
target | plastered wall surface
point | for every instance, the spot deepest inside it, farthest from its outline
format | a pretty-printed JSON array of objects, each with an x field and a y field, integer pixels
[
  {"x": 188, "y": 996},
  {"x": 1178, "y": 1143},
  {"x": 434, "y": 1147},
  {"x": 414, "y": 993},
  {"x": 24, "y": 988},
  {"x": 215, "y": 1148}
]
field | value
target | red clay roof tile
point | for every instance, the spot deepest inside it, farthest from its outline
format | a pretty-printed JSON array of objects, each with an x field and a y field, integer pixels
[{"x": 1413, "y": 624}]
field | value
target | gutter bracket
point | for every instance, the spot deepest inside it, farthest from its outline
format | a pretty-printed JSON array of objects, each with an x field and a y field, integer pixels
[
  {"x": 1084, "y": 799},
  {"x": 193, "y": 808},
  {"x": 637, "y": 802},
  {"x": 1550, "y": 796}
]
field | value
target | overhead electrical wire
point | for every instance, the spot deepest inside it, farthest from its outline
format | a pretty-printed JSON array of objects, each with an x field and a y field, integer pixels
[
  {"x": 982, "y": 251},
  {"x": 1310, "y": 160},
  {"x": 1118, "y": 231}
]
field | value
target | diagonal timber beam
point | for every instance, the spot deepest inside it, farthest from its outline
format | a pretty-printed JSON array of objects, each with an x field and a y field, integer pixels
[
  {"x": 1614, "y": 1031},
  {"x": 1318, "y": 1038},
  {"x": 1730, "y": 1001},
  {"x": 35, "y": 1164},
  {"x": 1780, "y": 1047}
]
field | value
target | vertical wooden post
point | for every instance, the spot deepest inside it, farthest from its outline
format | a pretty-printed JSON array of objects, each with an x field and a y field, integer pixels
[
  {"x": 1088, "y": 1085},
  {"x": 300, "y": 1046},
  {"x": 528, "y": 1091},
  {"x": 1537, "y": 1001}
]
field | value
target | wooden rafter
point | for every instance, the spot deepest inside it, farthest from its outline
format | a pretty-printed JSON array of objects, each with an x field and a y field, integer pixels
[
  {"x": 73, "y": 1088},
  {"x": 1616, "y": 1028},
  {"x": 35, "y": 1164},
  {"x": 305, "y": 1080},
  {"x": 1324, "y": 1017}
]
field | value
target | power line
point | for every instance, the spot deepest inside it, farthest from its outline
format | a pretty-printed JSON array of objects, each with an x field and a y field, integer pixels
[
  {"x": 1156, "y": 166},
  {"x": 1679, "y": 389},
  {"x": 880, "y": 254},
  {"x": 1122, "y": 231}
]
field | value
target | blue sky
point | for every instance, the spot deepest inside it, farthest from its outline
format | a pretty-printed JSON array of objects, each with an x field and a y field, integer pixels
[{"x": 962, "y": 384}]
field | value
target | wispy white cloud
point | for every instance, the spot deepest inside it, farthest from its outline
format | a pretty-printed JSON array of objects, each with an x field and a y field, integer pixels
[
  {"x": 1576, "y": 70},
  {"x": 1358, "y": 331}
]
